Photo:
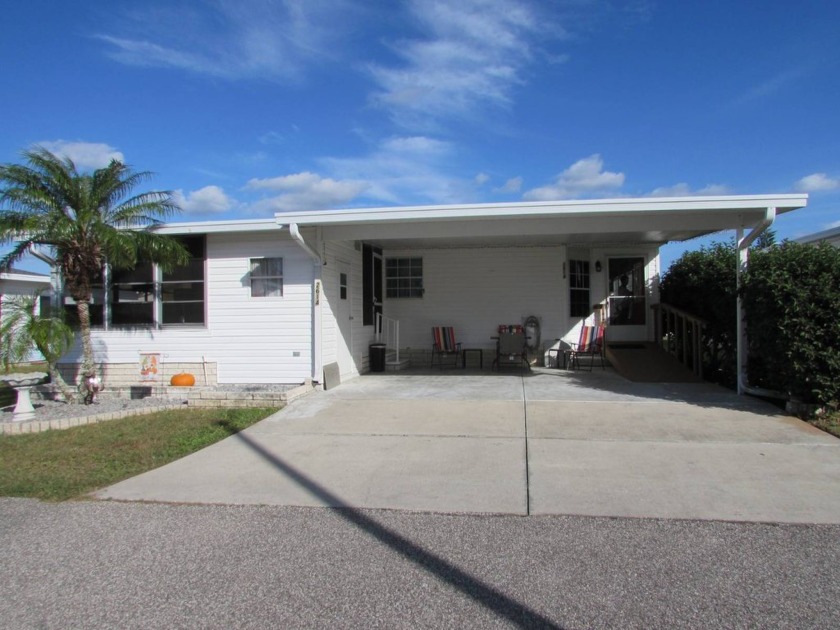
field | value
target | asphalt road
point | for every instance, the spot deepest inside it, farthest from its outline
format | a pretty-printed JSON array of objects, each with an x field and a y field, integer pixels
[{"x": 135, "y": 565}]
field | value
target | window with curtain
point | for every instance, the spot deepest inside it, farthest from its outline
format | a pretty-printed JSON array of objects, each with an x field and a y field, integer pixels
[{"x": 266, "y": 277}]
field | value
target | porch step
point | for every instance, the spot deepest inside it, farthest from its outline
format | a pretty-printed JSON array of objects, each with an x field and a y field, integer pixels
[
  {"x": 392, "y": 364},
  {"x": 648, "y": 363}
]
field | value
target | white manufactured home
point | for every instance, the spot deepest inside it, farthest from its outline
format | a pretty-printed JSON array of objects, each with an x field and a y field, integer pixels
[
  {"x": 17, "y": 283},
  {"x": 276, "y": 300}
]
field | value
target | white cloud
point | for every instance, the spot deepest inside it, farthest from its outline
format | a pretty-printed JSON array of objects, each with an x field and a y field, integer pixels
[
  {"x": 229, "y": 38},
  {"x": 85, "y": 155},
  {"x": 473, "y": 55},
  {"x": 304, "y": 191},
  {"x": 481, "y": 179},
  {"x": 771, "y": 86},
  {"x": 207, "y": 200},
  {"x": 684, "y": 190},
  {"x": 405, "y": 170},
  {"x": 818, "y": 182},
  {"x": 584, "y": 178},
  {"x": 513, "y": 185}
]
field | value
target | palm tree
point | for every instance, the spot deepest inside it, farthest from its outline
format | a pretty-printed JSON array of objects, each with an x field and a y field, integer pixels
[
  {"x": 88, "y": 219},
  {"x": 22, "y": 330}
]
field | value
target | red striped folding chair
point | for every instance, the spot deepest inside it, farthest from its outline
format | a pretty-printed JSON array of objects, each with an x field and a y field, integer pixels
[
  {"x": 444, "y": 345},
  {"x": 590, "y": 344}
]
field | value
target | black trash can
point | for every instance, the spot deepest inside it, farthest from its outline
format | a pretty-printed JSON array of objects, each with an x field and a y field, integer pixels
[{"x": 377, "y": 357}]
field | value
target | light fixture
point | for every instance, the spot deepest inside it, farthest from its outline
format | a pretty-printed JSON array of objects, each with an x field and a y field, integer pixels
[{"x": 598, "y": 266}]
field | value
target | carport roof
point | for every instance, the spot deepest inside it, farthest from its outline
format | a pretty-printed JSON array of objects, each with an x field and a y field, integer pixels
[
  {"x": 648, "y": 220},
  {"x": 643, "y": 220}
]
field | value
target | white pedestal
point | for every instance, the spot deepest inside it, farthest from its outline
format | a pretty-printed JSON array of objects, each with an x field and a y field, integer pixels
[{"x": 24, "y": 409}]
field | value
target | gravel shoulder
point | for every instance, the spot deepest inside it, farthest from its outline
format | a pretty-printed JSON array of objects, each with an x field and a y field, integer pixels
[{"x": 55, "y": 410}]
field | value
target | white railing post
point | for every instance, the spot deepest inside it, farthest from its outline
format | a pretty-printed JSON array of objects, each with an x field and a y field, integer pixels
[{"x": 388, "y": 330}]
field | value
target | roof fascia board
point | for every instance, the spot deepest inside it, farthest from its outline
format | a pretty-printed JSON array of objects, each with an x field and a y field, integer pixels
[
  {"x": 215, "y": 227},
  {"x": 600, "y": 207},
  {"x": 17, "y": 277},
  {"x": 698, "y": 223},
  {"x": 830, "y": 233}
]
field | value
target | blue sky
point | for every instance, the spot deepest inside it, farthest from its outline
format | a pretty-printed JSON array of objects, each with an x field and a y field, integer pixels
[{"x": 248, "y": 107}]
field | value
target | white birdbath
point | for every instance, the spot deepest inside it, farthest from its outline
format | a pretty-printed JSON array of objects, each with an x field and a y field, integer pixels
[{"x": 22, "y": 384}]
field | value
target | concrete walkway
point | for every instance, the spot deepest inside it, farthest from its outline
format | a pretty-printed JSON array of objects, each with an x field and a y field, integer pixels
[{"x": 552, "y": 442}]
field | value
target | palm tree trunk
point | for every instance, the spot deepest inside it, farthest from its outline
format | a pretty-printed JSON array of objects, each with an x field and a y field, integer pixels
[
  {"x": 58, "y": 381},
  {"x": 84, "y": 328}
]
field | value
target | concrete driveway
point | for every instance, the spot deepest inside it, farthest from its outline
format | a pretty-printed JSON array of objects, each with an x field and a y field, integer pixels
[{"x": 552, "y": 442}]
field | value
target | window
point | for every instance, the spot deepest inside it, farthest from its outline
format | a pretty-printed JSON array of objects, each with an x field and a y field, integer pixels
[
  {"x": 182, "y": 289},
  {"x": 95, "y": 308},
  {"x": 342, "y": 285},
  {"x": 579, "y": 288},
  {"x": 147, "y": 296},
  {"x": 404, "y": 277},
  {"x": 266, "y": 277},
  {"x": 133, "y": 296}
]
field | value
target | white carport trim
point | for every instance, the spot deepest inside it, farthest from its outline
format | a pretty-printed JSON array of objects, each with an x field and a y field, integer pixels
[{"x": 536, "y": 209}]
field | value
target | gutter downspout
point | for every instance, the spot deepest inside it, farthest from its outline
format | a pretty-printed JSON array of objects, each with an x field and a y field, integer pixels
[
  {"x": 318, "y": 295},
  {"x": 743, "y": 243}
]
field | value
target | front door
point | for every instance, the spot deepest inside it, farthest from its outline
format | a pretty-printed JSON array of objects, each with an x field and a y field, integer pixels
[
  {"x": 627, "y": 301},
  {"x": 344, "y": 315}
]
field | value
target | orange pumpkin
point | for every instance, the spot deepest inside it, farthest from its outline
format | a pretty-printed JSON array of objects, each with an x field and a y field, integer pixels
[{"x": 184, "y": 379}]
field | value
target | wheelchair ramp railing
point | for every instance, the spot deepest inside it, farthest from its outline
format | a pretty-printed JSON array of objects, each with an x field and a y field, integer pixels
[{"x": 680, "y": 334}]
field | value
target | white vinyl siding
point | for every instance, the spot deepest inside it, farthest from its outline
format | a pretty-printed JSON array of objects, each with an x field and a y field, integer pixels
[
  {"x": 477, "y": 289},
  {"x": 253, "y": 340},
  {"x": 362, "y": 336}
]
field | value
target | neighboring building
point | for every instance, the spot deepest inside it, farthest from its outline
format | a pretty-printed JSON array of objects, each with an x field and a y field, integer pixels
[
  {"x": 17, "y": 282},
  {"x": 275, "y": 300},
  {"x": 831, "y": 236}
]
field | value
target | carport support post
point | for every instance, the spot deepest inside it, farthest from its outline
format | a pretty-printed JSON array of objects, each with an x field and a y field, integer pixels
[{"x": 743, "y": 244}]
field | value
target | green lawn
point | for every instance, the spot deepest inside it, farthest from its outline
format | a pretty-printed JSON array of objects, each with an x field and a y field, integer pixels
[
  {"x": 60, "y": 465},
  {"x": 830, "y": 423}
]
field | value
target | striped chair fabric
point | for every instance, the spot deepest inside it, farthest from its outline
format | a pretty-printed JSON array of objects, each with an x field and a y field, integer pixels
[
  {"x": 591, "y": 339},
  {"x": 590, "y": 343},
  {"x": 444, "y": 343}
]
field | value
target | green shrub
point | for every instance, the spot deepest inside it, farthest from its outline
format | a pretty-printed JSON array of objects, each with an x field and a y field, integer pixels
[
  {"x": 791, "y": 298},
  {"x": 703, "y": 283}
]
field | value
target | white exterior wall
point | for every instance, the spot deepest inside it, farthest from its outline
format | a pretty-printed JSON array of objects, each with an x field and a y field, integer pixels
[
  {"x": 476, "y": 289},
  {"x": 252, "y": 340},
  {"x": 362, "y": 336},
  {"x": 11, "y": 289}
]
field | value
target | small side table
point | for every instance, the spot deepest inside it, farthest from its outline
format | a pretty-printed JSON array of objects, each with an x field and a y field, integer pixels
[
  {"x": 480, "y": 357},
  {"x": 560, "y": 352}
]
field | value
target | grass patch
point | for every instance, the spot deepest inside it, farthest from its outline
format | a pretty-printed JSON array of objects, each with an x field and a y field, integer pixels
[
  {"x": 60, "y": 465},
  {"x": 830, "y": 423}
]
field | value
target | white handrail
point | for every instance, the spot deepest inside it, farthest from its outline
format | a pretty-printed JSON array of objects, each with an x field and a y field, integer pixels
[{"x": 389, "y": 329}]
